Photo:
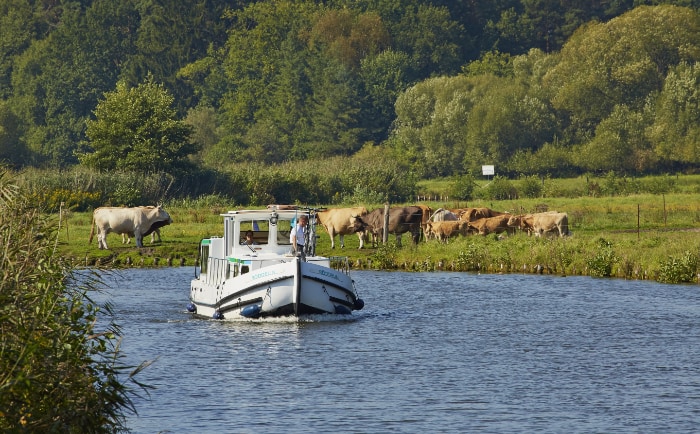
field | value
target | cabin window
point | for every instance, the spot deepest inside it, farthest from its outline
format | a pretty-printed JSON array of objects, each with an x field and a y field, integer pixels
[
  {"x": 244, "y": 269},
  {"x": 259, "y": 228},
  {"x": 283, "y": 231},
  {"x": 204, "y": 259}
]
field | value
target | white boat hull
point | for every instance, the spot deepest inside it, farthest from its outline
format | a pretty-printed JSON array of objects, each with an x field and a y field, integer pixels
[{"x": 293, "y": 288}]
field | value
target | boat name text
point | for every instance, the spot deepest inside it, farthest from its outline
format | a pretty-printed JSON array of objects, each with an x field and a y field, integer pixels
[
  {"x": 263, "y": 274},
  {"x": 328, "y": 274}
]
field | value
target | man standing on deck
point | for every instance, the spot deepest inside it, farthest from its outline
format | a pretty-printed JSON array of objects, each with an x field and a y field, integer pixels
[{"x": 297, "y": 237}]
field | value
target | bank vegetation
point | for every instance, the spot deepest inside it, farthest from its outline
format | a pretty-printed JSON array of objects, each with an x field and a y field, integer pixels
[{"x": 627, "y": 234}]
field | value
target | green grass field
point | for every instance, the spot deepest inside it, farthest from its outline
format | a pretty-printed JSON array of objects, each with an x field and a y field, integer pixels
[{"x": 636, "y": 237}]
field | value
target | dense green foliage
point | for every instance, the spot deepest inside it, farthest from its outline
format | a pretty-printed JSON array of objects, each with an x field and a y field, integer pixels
[
  {"x": 536, "y": 88},
  {"x": 136, "y": 130},
  {"x": 59, "y": 371}
]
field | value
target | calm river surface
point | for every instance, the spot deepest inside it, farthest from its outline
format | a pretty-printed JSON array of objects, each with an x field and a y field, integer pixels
[{"x": 431, "y": 352}]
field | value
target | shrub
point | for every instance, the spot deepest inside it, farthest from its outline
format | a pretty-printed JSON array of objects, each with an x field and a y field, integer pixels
[
  {"x": 471, "y": 259},
  {"x": 603, "y": 260},
  {"x": 385, "y": 256},
  {"x": 679, "y": 270},
  {"x": 500, "y": 189},
  {"x": 531, "y": 187},
  {"x": 463, "y": 187}
]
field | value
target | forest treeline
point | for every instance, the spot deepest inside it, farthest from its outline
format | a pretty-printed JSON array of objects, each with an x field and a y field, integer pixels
[{"x": 433, "y": 88}]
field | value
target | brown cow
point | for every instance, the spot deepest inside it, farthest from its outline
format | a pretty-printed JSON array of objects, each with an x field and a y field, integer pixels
[
  {"x": 473, "y": 214},
  {"x": 443, "y": 230},
  {"x": 401, "y": 220},
  {"x": 492, "y": 225},
  {"x": 441, "y": 214},
  {"x": 341, "y": 221}
]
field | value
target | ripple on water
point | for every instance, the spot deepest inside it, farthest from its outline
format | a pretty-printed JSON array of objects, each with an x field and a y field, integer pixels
[{"x": 431, "y": 352}]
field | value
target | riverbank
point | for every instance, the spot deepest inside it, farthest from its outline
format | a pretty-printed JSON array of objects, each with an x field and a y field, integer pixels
[{"x": 639, "y": 237}]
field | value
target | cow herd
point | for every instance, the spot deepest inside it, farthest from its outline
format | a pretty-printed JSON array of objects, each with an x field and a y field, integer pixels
[{"x": 440, "y": 225}]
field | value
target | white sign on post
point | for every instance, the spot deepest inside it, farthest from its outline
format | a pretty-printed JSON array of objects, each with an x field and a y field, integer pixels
[{"x": 488, "y": 170}]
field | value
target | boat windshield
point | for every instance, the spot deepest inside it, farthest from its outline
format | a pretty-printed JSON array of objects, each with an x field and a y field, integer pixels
[{"x": 260, "y": 231}]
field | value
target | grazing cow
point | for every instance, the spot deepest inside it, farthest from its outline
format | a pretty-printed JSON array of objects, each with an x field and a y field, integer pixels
[
  {"x": 542, "y": 223},
  {"x": 341, "y": 221},
  {"x": 492, "y": 225},
  {"x": 138, "y": 221},
  {"x": 439, "y": 215},
  {"x": 401, "y": 220},
  {"x": 473, "y": 214},
  {"x": 446, "y": 229}
]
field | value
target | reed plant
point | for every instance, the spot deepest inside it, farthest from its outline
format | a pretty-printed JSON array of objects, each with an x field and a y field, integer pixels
[{"x": 59, "y": 370}]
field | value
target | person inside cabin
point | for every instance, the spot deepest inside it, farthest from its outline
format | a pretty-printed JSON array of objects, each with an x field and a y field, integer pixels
[
  {"x": 297, "y": 237},
  {"x": 249, "y": 239}
]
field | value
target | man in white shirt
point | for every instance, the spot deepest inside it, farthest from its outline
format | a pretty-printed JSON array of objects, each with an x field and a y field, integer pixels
[{"x": 297, "y": 237}]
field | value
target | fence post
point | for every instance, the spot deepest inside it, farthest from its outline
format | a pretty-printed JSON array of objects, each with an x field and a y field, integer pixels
[{"x": 385, "y": 233}]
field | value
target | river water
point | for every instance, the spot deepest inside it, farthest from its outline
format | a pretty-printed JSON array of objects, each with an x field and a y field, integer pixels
[{"x": 430, "y": 352}]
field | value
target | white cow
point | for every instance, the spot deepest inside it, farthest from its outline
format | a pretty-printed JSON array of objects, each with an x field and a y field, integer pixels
[
  {"x": 139, "y": 221},
  {"x": 341, "y": 221},
  {"x": 542, "y": 223}
]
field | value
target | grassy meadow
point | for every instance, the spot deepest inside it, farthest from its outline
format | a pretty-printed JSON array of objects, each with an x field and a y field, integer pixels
[{"x": 643, "y": 236}]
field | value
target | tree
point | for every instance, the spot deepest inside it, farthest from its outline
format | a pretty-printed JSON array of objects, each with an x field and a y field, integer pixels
[
  {"x": 429, "y": 35},
  {"x": 57, "y": 80},
  {"x": 136, "y": 129},
  {"x": 622, "y": 61},
  {"x": 619, "y": 144},
  {"x": 675, "y": 132},
  {"x": 384, "y": 77},
  {"x": 11, "y": 149}
]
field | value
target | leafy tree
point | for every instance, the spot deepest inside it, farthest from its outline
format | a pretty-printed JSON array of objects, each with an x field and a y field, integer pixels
[
  {"x": 506, "y": 119},
  {"x": 431, "y": 38},
  {"x": 347, "y": 36},
  {"x": 12, "y": 150},
  {"x": 676, "y": 129},
  {"x": 57, "y": 80},
  {"x": 551, "y": 158},
  {"x": 431, "y": 117},
  {"x": 19, "y": 27},
  {"x": 59, "y": 372},
  {"x": 384, "y": 77},
  {"x": 169, "y": 35},
  {"x": 334, "y": 114},
  {"x": 204, "y": 125},
  {"x": 619, "y": 144},
  {"x": 265, "y": 41},
  {"x": 621, "y": 61},
  {"x": 136, "y": 129},
  {"x": 493, "y": 62}
]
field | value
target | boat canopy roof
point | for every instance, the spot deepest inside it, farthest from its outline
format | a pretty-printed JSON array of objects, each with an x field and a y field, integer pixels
[{"x": 284, "y": 212}]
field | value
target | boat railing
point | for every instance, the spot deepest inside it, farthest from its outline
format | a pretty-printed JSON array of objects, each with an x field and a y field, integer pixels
[
  {"x": 217, "y": 271},
  {"x": 340, "y": 263}
]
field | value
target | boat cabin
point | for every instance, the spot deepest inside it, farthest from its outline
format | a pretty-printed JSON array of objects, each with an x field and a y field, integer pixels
[{"x": 231, "y": 255}]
